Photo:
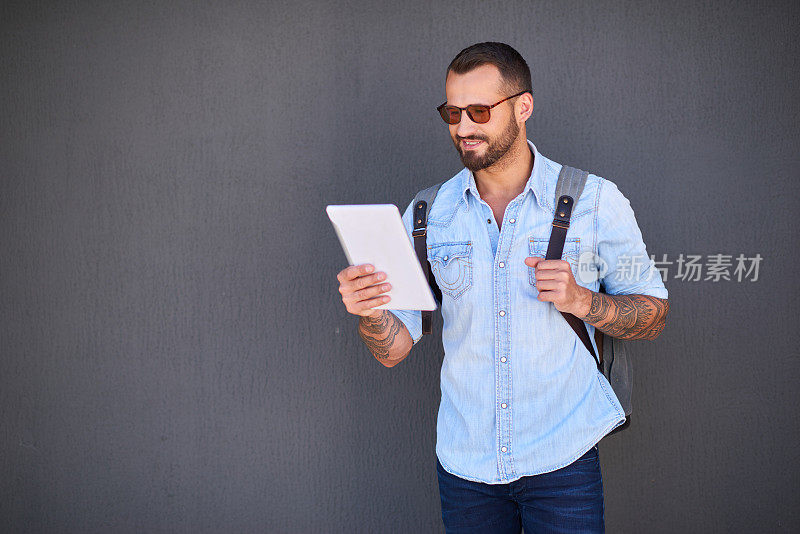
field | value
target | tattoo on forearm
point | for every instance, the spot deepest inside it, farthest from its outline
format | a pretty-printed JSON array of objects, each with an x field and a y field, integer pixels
[
  {"x": 628, "y": 316},
  {"x": 379, "y": 333}
]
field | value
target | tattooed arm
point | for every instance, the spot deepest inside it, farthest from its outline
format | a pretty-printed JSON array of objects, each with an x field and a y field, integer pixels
[
  {"x": 626, "y": 316},
  {"x": 386, "y": 337},
  {"x": 384, "y": 334},
  {"x": 622, "y": 316}
]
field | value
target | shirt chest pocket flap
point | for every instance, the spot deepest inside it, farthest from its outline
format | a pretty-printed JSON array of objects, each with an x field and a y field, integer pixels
[
  {"x": 538, "y": 247},
  {"x": 451, "y": 264}
]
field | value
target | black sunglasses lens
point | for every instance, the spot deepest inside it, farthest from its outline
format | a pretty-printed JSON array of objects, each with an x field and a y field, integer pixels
[
  {"x": 450, "y": 114},
  {"x": 478, "y": 114}
]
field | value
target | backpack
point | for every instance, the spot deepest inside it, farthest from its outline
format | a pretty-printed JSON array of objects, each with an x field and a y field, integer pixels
[{"x": 613, "y": 360}]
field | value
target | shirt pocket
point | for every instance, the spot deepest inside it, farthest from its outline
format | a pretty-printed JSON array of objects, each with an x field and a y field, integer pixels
[
  {"x": 538, "y": 247},
  {"x": 451, "y": 264}
]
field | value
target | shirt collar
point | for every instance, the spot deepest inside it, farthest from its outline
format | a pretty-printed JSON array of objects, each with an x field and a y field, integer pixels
[{"x": 535, "y": 183}]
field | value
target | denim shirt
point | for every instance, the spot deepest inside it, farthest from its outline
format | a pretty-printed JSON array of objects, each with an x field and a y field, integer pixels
[{"x": 521, "y": 395}]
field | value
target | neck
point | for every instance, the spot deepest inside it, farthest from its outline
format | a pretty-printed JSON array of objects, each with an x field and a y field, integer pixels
[{"x": 507, "y": 178}]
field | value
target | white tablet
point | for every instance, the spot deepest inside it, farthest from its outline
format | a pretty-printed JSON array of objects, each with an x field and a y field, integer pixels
[{"x": 374, "y": 234}]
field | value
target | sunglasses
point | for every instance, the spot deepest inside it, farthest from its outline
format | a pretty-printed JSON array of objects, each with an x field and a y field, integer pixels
[{"x": 477, "y": 113}]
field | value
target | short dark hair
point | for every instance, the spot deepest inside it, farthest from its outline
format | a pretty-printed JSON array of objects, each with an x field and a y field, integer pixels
[{"x": 513, "y": 68}]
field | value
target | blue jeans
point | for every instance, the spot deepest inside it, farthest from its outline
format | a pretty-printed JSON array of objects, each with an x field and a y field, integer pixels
[{"x": 569, "y": 499}]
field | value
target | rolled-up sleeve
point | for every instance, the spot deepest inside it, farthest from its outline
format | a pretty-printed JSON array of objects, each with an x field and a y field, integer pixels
[
  {"x": 411, "y": 318},
  {"x": 622, "y": 250}
]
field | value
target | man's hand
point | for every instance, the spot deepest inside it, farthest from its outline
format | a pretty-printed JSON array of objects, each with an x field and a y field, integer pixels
[
  {"x": 362, "y": 290},
  {"x": 556, "y": 284},
  {"x": 622, "y": 316},
  {"x": 383, "y": 333}
]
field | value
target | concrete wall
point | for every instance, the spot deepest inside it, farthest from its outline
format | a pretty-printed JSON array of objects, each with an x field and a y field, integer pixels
[{"x": 174, "y": 356}]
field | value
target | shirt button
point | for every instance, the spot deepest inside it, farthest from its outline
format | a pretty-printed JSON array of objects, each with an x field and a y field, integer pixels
[
  {"x": 502, "y": 313},
  {"x": 504, "y": 405},
  {"x": 503, "y": 359},
  {"x": 502, "y": 264},
  {"x": 488, "y": 221},
  {"x": 445, "y": 258},
  {"x": 504, "y": 449},
  {"x": 512, "y": 221}
]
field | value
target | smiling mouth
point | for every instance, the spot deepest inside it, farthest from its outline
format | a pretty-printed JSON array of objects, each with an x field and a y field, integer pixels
[{"x": 470, "y": 144}]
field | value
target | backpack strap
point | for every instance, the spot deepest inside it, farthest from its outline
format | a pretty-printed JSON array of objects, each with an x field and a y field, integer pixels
[
  {"x": 568, "y": 189},
  {"x": 422, "y": 207}
]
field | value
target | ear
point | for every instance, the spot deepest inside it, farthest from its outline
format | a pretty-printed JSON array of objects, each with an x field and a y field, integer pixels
[{"x": 524, "y": 107}]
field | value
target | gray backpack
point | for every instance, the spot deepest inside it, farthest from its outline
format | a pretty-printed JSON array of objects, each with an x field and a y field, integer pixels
[{"x": 613, "y": 360}]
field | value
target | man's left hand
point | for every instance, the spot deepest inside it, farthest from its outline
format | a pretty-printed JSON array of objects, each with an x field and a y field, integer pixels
[{"x": 556, "y": 284}]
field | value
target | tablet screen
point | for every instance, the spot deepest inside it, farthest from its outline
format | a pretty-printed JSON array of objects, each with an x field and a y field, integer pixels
[{"x": 374, "y": 233}]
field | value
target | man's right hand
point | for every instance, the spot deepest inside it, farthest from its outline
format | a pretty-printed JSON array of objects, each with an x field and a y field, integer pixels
[
  {"x": 362, "y": 290},
  {"x": 382, "y": 332}
]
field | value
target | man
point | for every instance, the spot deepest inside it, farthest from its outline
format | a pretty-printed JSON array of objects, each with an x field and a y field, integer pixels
[{"x": 523, "y": 405}]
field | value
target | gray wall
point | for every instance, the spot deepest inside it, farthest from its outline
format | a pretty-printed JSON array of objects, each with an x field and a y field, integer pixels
[{"x": 174, "y": 356}]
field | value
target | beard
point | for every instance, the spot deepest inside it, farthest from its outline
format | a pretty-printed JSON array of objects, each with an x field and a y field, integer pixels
[{"x": 495, "y": 148}]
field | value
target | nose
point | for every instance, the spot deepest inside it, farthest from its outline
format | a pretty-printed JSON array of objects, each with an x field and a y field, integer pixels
[{"x": 466, "y": 127}]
